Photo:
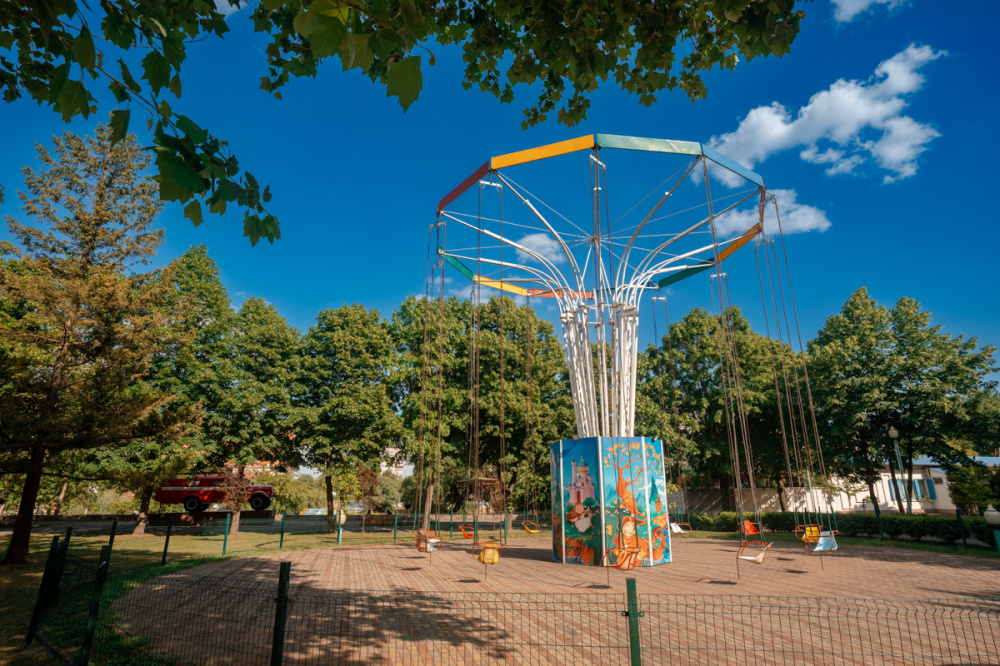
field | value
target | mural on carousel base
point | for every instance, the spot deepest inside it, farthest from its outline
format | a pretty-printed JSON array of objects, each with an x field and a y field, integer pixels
[{"x": 625, "y": 477}]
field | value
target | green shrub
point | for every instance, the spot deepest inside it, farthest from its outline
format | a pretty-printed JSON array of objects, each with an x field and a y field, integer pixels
[
  {"x": 726, "y": 521},
  {"x": 979, "y": 529}
]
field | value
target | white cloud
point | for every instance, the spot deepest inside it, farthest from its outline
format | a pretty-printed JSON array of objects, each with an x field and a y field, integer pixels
[
  {"x": 845, "y": 10},
  {"x": 795, "y": 217},
  {"x": 543, "y": 244},
  {"x": 829, "y": 128},
  {"x": 226, "y": 9}
]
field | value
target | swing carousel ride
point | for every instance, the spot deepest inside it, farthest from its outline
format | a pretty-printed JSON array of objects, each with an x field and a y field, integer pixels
[{"x": 593, "y": 226}]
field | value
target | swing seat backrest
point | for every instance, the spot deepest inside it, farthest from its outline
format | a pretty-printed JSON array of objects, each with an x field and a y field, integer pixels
[
  {"x": 826, "y": 541},
  {"x": 808, "y": 533}
]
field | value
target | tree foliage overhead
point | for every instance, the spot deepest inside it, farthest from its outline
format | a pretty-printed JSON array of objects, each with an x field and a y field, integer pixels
[{"x": 50, "y": 51}]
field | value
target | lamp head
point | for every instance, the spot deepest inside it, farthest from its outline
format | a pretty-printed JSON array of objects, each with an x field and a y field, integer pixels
[
  {"x": 893, "y": 433},
  {"x": 992, "y": 517}
]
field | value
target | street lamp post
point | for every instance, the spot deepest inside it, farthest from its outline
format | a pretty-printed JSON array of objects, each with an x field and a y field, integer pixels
[
  {"x": 992, "y": 517},
  {"x": 894, "y": 436}
]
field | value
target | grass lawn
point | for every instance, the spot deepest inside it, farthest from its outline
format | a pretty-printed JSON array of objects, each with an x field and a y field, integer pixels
[{"x": 19, "y": 585}]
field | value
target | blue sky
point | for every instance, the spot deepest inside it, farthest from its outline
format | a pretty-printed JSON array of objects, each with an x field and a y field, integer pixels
[{"x": 877, "y": 133}]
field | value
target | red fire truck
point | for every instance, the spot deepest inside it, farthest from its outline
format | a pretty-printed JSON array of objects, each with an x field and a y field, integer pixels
[{"x": 197, "y": 492}]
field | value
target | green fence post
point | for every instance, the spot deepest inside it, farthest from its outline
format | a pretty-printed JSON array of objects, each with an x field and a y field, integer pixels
[
  {"x": 95, "y": 605},
  {"x": 166, "y": 542},
  {"x": 961, "y": 527},
  {"x": 281, "y": 543},
  {"x": 114, "y": 530},
  {"x": 225, "y": 536},
  {"x": 395, "y": 523},
  {"x": 280, "y": 615},
  {"x": 633, "y": 614},
  {"x": 41, "y": 601},
  {"x": 451, "y": 524}
]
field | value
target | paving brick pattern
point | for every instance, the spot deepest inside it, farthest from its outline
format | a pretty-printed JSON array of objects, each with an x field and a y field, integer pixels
[{"x": 391, "y": 604}]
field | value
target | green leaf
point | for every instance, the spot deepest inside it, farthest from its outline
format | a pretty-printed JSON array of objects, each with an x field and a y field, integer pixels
[
  {"x": 253, "y": 228},
  {"x": 73, "y": 100},
  {"x": 355, "y": 52},
  {"x": 180, "y": 173},
  {"x": 156, "y": 70},
  {"x": 118, "y": 29},
  {"x": 193, "y": 212},
  {"x": 267, "y": 194},
  {"x": 404, "y": 80},
  {"x": 332, "y": 8},
  {"x": 273, "y": 4},
  {"x": 175, "y": 85},
  {"x": 189, "y": 127},
  {"x": 127, "y": 77},
  {"x": 271, "y": 229},
  {"x": 83, "y": 49},
  {"x": 119, "y": 124}
]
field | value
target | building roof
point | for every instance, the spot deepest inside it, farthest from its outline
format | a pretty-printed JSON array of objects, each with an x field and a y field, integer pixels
[{"x": 989, "y": 461}]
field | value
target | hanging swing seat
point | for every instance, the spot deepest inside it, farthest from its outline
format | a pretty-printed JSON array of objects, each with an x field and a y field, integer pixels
[
  {"x": 759, "y": 558},
  {"x": 625, "y": 558},
  {"x": 752, "y": 527},
  {"x": 827, "y": 541},
  {"x": 427, "y": 542},
  {"x": 678, "y": 528},
  {"x": 531, "y": 527},
  {"x": 808, "y": 533},
  {"x": 468, "y": 531}
]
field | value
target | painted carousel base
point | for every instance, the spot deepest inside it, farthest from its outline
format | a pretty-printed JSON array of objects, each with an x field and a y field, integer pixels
[{"x": 609, "y": 499}]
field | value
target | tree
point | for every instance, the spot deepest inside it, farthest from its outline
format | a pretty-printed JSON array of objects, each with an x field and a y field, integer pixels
[
  {"x": 196, "y": 292},
  {"x": 348, "y": 416},
  {"x": 247, "y": 393},
  {"x": 93, "y": 319},
  {"x": 436, "y": 339},
  {"x": 697, "y": 431},
  {"x": 873, "y": 368},
  {"x": 390, "y": 491},
  {"x": 552, "y": 47}
]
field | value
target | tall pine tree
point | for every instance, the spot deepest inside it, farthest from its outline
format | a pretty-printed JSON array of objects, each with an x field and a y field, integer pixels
[{"x": 95, "y": 317}]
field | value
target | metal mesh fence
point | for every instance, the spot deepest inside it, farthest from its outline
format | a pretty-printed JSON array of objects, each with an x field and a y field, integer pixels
[
  {"x": 771, "y": 630},
  {"x": 454, "y": 628},
  {"x": 189, "y": 619}
]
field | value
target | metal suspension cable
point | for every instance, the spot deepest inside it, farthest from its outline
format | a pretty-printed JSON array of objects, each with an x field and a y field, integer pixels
[
  {"x": 774, "y": 371},
  {"x": 428, "y": 280}
]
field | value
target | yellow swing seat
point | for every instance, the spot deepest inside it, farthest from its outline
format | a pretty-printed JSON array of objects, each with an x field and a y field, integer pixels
[{"x": 531, "y": 527}]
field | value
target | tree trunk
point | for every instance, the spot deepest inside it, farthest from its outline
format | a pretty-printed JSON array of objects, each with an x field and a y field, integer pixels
[
  {"x": 782, "y": 498},
  {"x": 20, "y": 539},
  {"x": 364, "y": 517},
  {"x": 428, "y": 503},
  {"x": 895, "y": 486},
  {"x": 331, "y": 524},
  {"x": 728, "y": 496},
  {"x": 59, "y": 498},
  {"x": 874, "y": 498},
  {"x": 144, "y": 499}
]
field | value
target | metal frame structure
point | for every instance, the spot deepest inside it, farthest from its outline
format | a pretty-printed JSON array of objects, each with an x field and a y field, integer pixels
[{"x": 598, "y": 292}]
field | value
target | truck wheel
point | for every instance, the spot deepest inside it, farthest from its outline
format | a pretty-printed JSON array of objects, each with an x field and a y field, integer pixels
[
  {"x": 193, "y": 505},
  {"x": 259, "y": 502}
]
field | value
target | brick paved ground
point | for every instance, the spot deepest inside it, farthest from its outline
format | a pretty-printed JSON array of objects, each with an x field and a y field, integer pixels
[{"x": 384, "y": 619}]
